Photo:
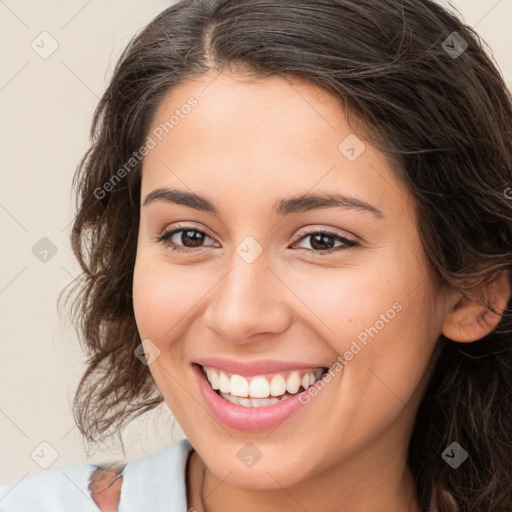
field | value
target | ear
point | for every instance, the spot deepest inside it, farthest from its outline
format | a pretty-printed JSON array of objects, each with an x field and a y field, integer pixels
[{"x": 468, "y": 320}]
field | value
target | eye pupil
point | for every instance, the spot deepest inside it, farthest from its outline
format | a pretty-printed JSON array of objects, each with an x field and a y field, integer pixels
[
  {"x": 321, "y": 239},
  {"x": 196, "y": 239}
]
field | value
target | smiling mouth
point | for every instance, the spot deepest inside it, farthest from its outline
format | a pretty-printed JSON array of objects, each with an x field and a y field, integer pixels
[{"x": 261, "y": 390}]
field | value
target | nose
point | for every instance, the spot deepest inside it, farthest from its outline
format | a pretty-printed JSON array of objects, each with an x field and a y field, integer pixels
[{"x": 249, "y": 300}]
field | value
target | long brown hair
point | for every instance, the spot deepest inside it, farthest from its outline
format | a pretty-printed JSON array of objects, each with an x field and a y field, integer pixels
[{"x": 437, "y": 108}]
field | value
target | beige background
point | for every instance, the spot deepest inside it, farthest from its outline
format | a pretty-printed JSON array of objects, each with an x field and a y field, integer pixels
[{"x": 46, "y": 107}]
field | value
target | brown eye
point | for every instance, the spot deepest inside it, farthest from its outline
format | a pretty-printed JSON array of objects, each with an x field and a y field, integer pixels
[
  {"x": 184, "y": 239},
  {"x": 324, "y": 242},
  {"x": 191, "y": 237}
]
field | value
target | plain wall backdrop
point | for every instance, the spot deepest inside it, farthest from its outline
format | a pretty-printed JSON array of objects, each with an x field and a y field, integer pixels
[{"x": 57, "y": 58}]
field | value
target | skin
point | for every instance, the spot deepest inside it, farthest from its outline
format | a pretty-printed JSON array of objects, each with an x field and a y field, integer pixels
[{"x": 247, "y": 144}]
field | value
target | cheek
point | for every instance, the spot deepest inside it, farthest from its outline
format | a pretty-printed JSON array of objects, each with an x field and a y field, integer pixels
[
  {"x": 374, "y": 318},
  {"x": 340, "y": 303},
  {"x": 162, "y": 296}
]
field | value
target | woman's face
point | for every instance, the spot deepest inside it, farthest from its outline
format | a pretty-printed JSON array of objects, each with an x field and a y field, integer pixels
[{"x": 261, "y": 282}]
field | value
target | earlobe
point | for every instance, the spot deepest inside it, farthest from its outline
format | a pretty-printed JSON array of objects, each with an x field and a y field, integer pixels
[{"x": 470, "y": 320}]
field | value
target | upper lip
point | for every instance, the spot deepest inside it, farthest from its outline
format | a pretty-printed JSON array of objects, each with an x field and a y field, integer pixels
[{"x": 248, "y": 368}]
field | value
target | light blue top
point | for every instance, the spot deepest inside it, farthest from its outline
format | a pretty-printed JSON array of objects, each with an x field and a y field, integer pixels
[{"x": 153, "y": 483}]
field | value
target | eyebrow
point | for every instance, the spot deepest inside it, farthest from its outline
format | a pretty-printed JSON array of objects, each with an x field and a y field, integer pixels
[{"x": 299, "y": 204}]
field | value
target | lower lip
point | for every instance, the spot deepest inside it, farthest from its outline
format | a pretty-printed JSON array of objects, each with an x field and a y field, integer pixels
[{"x": 247, "y": 418}]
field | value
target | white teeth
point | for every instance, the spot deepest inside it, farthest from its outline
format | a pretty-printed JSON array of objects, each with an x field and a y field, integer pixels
[
  {"x": 251, "y": 402},
  {"x": 213, "y": 377},
  {"x": 293, "y": 383},
  {"x": 229, "y": 398},
  {"x": 277, "y": 385},
  {"x": 224, "y": 384},
  {"x": 258, "y": 387},
  {"x": 239, "y": 386}
]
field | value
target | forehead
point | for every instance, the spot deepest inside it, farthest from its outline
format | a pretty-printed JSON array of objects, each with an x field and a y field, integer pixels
[
  {"x": 267, "y": 136},
  {"x": 253, "y": 110}
]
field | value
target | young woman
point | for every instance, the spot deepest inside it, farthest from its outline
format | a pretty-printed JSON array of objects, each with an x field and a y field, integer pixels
[{"x": 295, "y": 226}]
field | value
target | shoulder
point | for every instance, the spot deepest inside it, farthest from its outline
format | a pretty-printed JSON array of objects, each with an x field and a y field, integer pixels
[
  {"x": 155, "y": 480},
  {"x": 50, "y": 490},
  {"x": 149, "y": 481}
]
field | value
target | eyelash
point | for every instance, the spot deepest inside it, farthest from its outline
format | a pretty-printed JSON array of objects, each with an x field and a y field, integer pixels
[{"x": 348, "y": 244}]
